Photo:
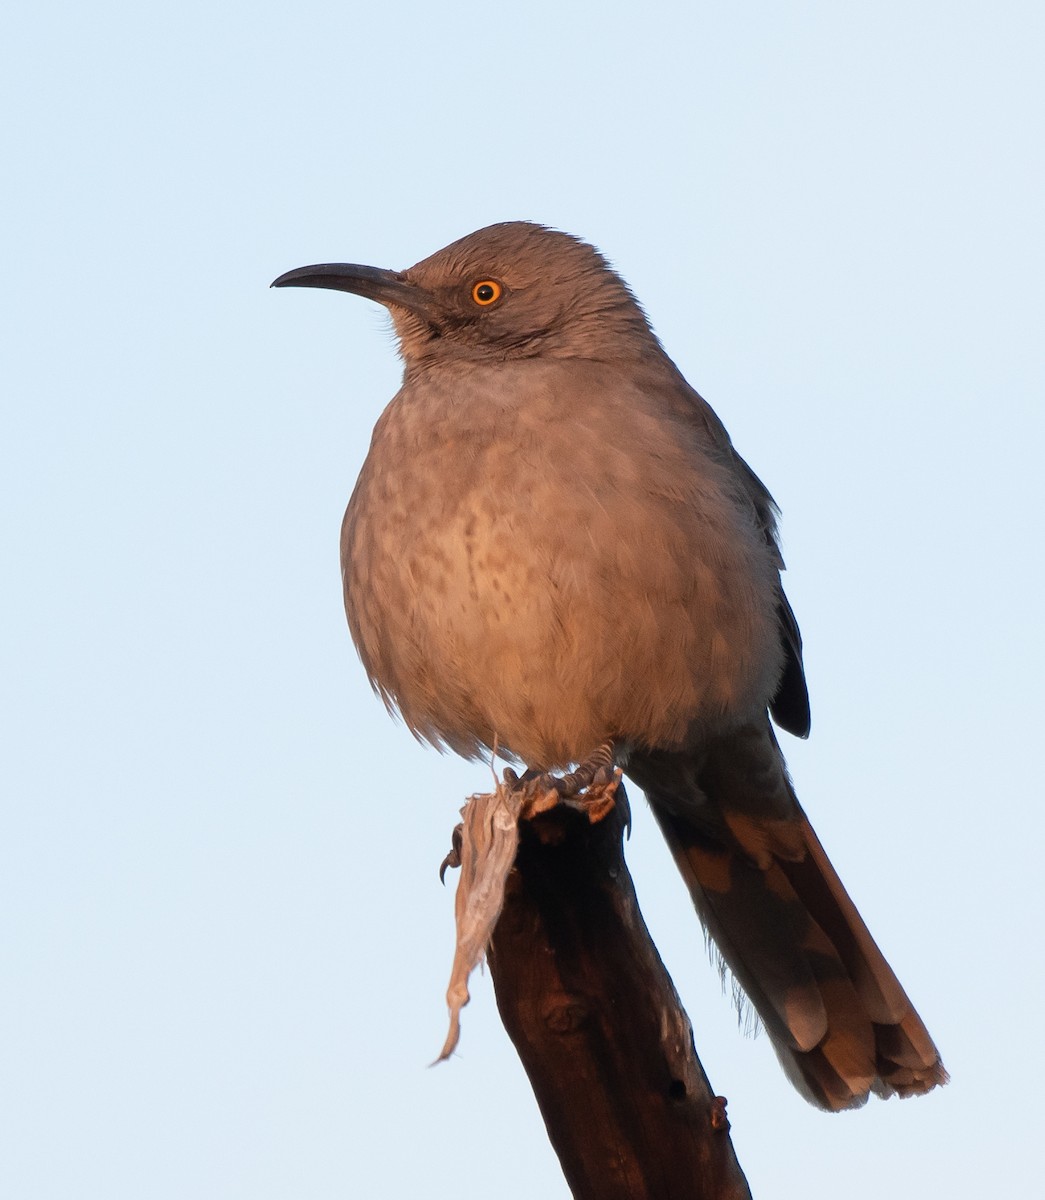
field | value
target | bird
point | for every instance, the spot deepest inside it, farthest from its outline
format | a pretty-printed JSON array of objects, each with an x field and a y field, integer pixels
[{"x": 554, "y": 552}]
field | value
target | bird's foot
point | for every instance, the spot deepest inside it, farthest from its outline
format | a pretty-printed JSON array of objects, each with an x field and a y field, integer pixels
[{"x": 590, "y": 789}]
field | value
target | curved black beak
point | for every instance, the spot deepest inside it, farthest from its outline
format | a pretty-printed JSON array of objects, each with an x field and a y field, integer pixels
[{"x": 386, "y": 287}]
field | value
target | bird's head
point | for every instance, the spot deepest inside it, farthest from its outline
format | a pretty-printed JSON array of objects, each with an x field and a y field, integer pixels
[{"x": 514, "y": 290}]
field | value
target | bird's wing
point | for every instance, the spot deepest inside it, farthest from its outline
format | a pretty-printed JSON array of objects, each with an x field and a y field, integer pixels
[{"x": 790, "y": 703}]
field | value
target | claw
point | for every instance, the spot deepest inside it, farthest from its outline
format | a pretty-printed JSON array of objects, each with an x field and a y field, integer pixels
[{"x": 453, "y": 859}]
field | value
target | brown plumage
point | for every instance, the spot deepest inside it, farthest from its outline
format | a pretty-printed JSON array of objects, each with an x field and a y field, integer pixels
[{"x": 553, "y": 544}]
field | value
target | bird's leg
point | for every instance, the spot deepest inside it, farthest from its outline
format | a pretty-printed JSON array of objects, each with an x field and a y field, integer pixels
[
  {"x": 596, "y": 770},
  {"x": 590, "y": 788}
]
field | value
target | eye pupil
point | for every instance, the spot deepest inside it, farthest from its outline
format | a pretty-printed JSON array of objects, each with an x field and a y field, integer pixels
[{"x": 487, "y": 292}]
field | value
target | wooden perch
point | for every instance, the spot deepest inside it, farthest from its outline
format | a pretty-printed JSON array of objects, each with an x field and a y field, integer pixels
[{"x": 598, "y": 1024}]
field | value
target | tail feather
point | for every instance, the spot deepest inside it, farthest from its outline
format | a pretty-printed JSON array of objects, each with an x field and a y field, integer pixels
[
  {"x": 731, "y": 906},
  {"x": 817, "y": 880},
  {"x": 839, "y": 1020}
]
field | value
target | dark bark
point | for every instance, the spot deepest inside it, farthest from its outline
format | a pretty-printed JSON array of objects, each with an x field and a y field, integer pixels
[{"x": 598, "y": 1024}]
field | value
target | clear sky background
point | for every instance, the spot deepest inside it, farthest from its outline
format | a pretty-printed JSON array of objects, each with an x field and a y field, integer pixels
[{"x": 224, "y": 945}]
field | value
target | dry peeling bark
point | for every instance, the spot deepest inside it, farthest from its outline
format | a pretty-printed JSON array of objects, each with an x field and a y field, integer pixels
[
  {"x": 484, "y": 847},
  {"x": 588, "y": 1004}
]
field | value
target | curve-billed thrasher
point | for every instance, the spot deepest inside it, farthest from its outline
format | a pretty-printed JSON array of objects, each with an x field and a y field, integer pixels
[{"x": 553, "y": 545}]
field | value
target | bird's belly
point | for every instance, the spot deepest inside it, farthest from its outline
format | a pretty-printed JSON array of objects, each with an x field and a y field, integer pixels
[{"x": 553, "y": 617}]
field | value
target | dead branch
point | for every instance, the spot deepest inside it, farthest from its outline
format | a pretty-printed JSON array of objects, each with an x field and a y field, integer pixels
[{"x": 598, "y": 1024}]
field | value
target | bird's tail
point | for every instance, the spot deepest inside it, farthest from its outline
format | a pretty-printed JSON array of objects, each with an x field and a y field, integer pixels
[{"x": 841, "y": 1024}]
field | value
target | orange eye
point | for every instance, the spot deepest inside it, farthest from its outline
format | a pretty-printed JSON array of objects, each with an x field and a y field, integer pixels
[{"x": 487, "y": 292}]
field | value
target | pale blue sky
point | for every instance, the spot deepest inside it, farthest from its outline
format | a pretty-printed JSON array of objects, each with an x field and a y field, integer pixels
[{"x": 224, "y": 946}]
